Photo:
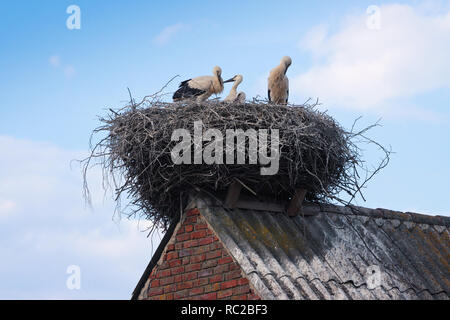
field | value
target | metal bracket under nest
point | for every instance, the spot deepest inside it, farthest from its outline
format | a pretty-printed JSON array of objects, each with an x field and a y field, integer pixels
[{"x": 233, "y": 200}]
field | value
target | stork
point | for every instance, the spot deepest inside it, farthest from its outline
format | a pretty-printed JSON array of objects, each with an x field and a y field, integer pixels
[
  {"x": 234, "y": 95},
  {"x": 278, "y": 90},
  {"x": 200, "y": 88}
]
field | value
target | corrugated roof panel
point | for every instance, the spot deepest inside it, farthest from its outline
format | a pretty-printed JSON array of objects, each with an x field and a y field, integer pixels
[{"x": 338, "y": 254}]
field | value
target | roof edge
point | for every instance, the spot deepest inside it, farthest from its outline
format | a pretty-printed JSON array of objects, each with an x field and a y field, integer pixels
[{"x": 155, "y": 258}]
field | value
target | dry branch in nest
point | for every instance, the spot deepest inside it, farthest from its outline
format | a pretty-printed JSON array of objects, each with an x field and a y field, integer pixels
[{"x": 316, "y": 154}]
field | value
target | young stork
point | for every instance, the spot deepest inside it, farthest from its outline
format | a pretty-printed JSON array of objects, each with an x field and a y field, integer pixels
[
  {"x": 278, "y": 82},
  {"x": 234, "y": 95},
  {"x": 200, "y": 88}
]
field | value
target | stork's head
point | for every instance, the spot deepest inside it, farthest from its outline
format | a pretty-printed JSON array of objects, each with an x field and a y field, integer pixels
[
  {"x": 286, "y": 61},
  {"x": 217, "y": 71},
  {"x": 237, "y": 78}
]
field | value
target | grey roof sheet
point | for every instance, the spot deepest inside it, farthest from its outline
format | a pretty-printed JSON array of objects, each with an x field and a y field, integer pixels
[{"x": 340, "y": 253}]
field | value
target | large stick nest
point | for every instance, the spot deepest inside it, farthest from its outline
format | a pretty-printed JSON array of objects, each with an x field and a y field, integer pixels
[{"x": 316, "y": 154}]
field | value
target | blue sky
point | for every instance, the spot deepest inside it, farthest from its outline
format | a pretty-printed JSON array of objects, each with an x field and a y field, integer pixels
[{"x": 56, "y": 81}]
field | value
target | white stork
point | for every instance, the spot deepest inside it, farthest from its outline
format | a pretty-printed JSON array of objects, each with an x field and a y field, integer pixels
[
  {"x": 234, "y": 95},
  {"x": 278, "y": 90},
  {"x": 200, "y": 88}
]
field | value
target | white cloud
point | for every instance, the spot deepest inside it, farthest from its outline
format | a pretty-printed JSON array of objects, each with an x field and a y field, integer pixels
[
  {"x": 68, "y": 70},
  {"x": 55, "y": 61},
  {"x": 45, "y": 228},
  {"x": 167, "y": 33},
  {"x": 365, "y": 69}
]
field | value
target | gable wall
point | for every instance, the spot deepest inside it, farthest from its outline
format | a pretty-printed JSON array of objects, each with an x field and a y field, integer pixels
[{"x": 195, "y": 265}]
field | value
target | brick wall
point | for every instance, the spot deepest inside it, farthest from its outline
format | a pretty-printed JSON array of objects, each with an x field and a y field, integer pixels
[{"x": 195, "y": 265}]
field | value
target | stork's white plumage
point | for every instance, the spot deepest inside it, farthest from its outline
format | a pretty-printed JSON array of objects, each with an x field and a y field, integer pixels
[
  {"x": 200, "y": 88},
  {"x": 278, "y": 82},
  {"x": 234, "y": 95}
]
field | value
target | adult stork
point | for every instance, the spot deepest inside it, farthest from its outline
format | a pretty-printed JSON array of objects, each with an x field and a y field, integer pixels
[
  {"x": 278, "y": 89},
  {"x": 200, "y": 88},
  {"x": 234, "y": 95}
]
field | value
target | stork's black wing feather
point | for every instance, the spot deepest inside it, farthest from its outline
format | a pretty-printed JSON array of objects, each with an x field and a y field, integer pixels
[
  {"x": 185, "y": 91},
  {"x": 268, "y": 95},
  {"x": 287, "y": 97}
]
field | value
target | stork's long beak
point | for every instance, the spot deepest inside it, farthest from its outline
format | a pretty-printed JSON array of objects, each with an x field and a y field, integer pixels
[{"x": 229, "y": 80}]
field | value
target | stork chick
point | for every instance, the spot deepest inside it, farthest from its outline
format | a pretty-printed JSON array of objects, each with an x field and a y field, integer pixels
[
  {"x": 234, "y": 95},
  {"x": 200, "y": 88},
  {"x": 278, "y": 83}
]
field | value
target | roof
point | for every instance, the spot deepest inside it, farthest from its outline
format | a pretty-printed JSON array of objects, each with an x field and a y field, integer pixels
[{"x": 336, "y": 252}]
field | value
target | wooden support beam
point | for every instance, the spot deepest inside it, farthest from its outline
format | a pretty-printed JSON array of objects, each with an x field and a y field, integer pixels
[
  {"x": 234, "y": 190},
  {"x": 295, "y": 206}
]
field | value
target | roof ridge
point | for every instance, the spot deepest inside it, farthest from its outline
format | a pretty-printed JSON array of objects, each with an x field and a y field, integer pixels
[{"x": 386, "y": 214}]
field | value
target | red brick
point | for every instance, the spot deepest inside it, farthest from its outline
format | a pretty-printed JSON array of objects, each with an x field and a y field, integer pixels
[
  {"x": 241, "y": 297},
  {"x": 209, "y": 264},
  {"x": 181, "y": 230},
  {"x": 241, "y": 290},
  {"x": 186, "y": 260},
  {"x": 180, "y": 294},
  {"x": 216, "y": 278},
  {"x": 209, "y": 296},
  {"x": 189, "y": 228},
  {"x": 191, "y": 219},
  {"x": 179, "y": 245},
  {"x": 163, "y": 273},
  {"x": 234, "y": 266},
  {"x": 193, "y": 267},
  {"x": 205, "y": 273},
  {"x": 233, "y": 274},
  {"x": 212, "y": 287},
  {"x": 177, "y": 270},
  {"x": 178, "y": 278},
  {"x": 175, "y": 263},
  {"x": 225, "y": 260},
  {"x": 224, "y": 294},
  {"x": 190, "y": 243},
  {"x": 185, "y": 285},
  {"x": 155, "y": 291},
  {"x": 185, "y": 252},
  {"x": 170, "y": 288},
  {"x": 200, "y": 226},
  {"x": 170, "y": 247},
  {"x": 213, "y": 254},
  {"x": 229, "y": 284},
  {"x": 216, "y": 245},
  {"x": 183, "y": 237},
  {"x": 221, "y": 269},
  {"x": 200, "y": 282},
  {"x": 171, "y": 255},
  {"x": 196, "y": 291},
  {"x": 201, "y": 249},
  {"x": 198, "y": 258},
  {"x": 243, "y": 281},
  {"x": 205, "y": 241},
  {"x": 193, "y": 212},
  {"x": 154, "y": 283},
  {"x": 166, "y": 281},
  {"x": 169, "y": 296},
  {"x": 198, "y": 234},
  {"x": 190, "y": 276}
]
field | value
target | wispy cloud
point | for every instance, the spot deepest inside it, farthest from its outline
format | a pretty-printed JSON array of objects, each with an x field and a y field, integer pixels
[
  {"x": 68, "y": 70},
  {"x": 168, "y": 33},
  {"x": 44, "y": 225},
  {"x": 370, "y": 70}
]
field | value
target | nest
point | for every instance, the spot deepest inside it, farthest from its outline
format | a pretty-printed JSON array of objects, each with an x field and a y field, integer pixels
[{"x": 316, "y": 154}]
